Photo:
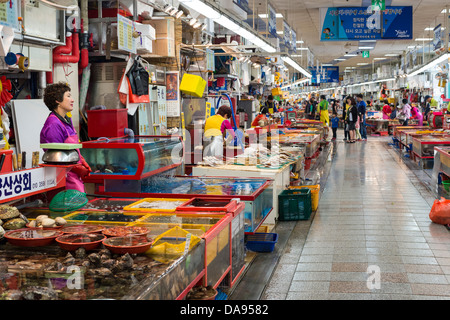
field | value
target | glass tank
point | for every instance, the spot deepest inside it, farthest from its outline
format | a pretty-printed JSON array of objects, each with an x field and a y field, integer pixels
[
  {"x": 257, "y": 194},
  {"x": 131, "y": 158},
  {"x": 423, "y": 146}
]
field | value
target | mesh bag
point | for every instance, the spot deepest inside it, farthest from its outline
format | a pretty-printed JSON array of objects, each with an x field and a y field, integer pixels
[{"x": 68, "y": 200}]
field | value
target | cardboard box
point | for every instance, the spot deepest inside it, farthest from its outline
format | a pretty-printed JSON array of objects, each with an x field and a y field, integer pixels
[
  {"x": 164, "y": 47},
  {"x": 164, "y": 28}
]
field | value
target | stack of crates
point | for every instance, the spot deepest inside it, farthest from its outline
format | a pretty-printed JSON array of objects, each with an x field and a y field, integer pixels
[{"x": 294, "y": 205}]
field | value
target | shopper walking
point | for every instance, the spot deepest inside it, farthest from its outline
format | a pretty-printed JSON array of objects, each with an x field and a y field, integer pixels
[
  {"x": 345, "y": 108},
  {"x": 334, "y": 125},
  {"x": 312, "y": 109},
  {"x": 362, "y": 108},
  {"x": 352, "y": 117},
  {"x": 406, "y": 112},
  {"x": 323, "y": 109}
]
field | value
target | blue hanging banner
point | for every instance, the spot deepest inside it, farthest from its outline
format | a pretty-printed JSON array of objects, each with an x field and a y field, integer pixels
[
  {"x": 272, "y": 21},
  {"x": 329, "y": 74},
  {"x": 363, "y": 23},
  {"x": 243, "y": 4},
  {"x": 397, "y": 23}
]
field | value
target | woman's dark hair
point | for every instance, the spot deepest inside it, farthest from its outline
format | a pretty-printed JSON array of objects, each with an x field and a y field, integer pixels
[
  {"x": 386, "y": 101},
  {"x": 352, "y": 100},
  {"x": 53, "y": 93},
  {"x": 224, "y": 110},
  {"x": 405, "y": 101}
]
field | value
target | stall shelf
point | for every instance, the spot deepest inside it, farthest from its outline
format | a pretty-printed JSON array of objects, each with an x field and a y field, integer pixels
[
  {"x": 216, "y": 231},
  {"x": 443, "y": 165},
  {"x": 399, "y": 135},
  {"x": 280, "y": 177},
  {"x": 310, "y": 141},
  {"x": 423, "y": 147},
  {"x": 45, "y": 273},
  {"x": 256, "y": 193}
]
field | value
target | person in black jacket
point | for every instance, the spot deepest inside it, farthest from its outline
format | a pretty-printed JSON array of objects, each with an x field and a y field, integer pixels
[{"x": 352, "y": 117}]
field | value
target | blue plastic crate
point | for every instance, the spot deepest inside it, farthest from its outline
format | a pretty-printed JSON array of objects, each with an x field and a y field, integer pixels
[{"x": 262, "y": 242}]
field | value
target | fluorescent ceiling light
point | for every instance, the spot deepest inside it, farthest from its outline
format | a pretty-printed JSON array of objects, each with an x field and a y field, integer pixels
[
  {"x": 365, "y": 48},
  {"x": 296, "y": 82},
  {"x": 367, "y": 40},
  {"x": 423, "y": 39},
  {"x": 202, "y": 8},
  {"x": 296, "y": 66},
  {"x": 431, "y": 29},
  {"x": 362, "y": 64},
  {"x": 217, "y": 17},
  {"x": 379, "y": 58},
  {"x": 327, "y": 65},
  {"x": 265, "y": 16},
  {"x": 350, "y": 55},
  {"x": 430, "y": 65},
  {"x": 340, "y": 59},
  {"x": 296, "y": 55},
  {"x": 391, "y": 54},
  {"x": 280, "y": 32},
  {"x": 303, "y": 48},
  {"x": 300, "y": 41}
]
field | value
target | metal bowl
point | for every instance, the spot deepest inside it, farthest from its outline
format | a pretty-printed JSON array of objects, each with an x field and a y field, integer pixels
[{"x": 61, "y": 156}]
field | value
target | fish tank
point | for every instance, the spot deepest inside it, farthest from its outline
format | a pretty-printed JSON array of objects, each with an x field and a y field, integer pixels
[
  {"x": 310, "y": 141},
  {"x": 100, "y": 217},
  {"x": 131, "y": 158},
  {"x": 214, "y": 229},
  {"x": 256, "y": 193},
  {"x": 43, "y": 273},
  {"x": 423, "y": 146}
]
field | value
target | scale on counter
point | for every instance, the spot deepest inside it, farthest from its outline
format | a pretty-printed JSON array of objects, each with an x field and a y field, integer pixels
[{"x": 61, "y": 153}]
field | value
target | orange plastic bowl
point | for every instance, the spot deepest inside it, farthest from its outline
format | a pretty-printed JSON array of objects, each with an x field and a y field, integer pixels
[
  {"x": 31, "y": 237},
  {"x": 128, "y": 244},
  {"x": 82, "y": 228},
  {"x": 73, "y": 241}
]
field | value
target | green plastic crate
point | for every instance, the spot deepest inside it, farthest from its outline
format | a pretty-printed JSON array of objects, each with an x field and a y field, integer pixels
[{"x": 294, "y": 205}]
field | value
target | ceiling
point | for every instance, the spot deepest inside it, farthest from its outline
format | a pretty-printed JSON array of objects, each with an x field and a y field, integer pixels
[{"x": 303, "y": 17}]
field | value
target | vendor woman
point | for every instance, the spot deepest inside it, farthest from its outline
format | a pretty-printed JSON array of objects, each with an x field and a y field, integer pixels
[
  {"x": 216, "y": 127},
  {"x": 58, "y": 128}
]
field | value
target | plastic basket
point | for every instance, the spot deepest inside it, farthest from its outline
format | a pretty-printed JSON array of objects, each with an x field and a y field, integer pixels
[
  {"x": 262, "y": 242},
  {"x": 135, "y": 206},
  {"x": 315, "y": 191},
  {"x": 294, "y": 205}
]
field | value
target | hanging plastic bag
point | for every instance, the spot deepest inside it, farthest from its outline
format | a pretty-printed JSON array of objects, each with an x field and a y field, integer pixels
[
  {"x": 138, "y": 83},
  {"x": 440, "y": 211}
]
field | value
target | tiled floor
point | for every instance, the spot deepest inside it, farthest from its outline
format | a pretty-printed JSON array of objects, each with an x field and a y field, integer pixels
[{"x": 371, "y": 237}]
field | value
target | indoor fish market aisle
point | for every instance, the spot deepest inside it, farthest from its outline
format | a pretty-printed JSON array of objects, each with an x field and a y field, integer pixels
[{"x": 371, "y": 237}]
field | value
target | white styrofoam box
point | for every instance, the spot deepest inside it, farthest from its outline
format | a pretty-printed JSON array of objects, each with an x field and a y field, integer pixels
[
  {"x": 145, "y": 30},
  {"x": 144, "y": 44}
]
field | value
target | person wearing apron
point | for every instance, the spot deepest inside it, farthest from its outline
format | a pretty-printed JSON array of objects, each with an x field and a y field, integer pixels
[
  {"x": 58, "y": 128},
  {"x": 215, "y": 127},
  {"x": 323, "y": 109}
]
